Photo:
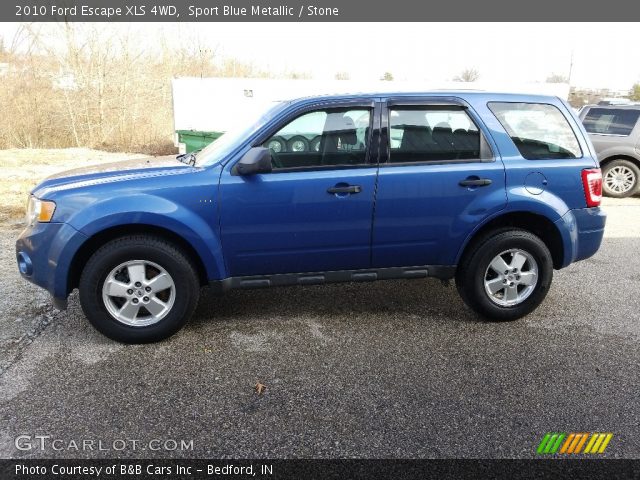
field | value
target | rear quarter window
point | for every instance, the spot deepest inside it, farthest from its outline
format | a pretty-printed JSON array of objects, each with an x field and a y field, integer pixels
[
  {"x": 610, "y": 121},
  {"x": 540, "y": 131}
]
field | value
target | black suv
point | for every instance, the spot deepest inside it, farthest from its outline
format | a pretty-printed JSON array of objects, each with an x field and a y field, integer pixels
[{"x": 615, "y": 134}]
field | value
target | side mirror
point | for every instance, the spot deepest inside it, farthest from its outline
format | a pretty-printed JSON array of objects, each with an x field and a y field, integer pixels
[{"x": 256, "y": 160}]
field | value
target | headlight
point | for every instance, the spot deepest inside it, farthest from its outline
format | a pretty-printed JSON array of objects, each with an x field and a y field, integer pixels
[{"x": 39, "y": 210}]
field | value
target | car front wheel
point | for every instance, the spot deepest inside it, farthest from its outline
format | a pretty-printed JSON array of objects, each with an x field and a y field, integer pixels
[
  {"x": 506, "y": 275},
  {"x": 139, "y": 289}
]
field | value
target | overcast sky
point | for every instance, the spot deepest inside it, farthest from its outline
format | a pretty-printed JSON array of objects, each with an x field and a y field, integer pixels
[{"x": 604, "y": 54}]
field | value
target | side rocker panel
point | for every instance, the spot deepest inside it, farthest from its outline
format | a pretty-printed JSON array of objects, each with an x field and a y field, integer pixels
[{"x": 443, "y": 272}]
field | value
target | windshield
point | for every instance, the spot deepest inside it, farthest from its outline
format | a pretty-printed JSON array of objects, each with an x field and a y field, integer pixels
[{"x": 245, "y": 126}]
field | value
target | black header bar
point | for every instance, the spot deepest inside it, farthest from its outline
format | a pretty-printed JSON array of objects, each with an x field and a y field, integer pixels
[
  {"x": 136, "y": 469},
  {"x": 315, "y": 11}
]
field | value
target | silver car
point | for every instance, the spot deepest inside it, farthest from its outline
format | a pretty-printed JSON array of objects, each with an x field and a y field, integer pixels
[{"x": 615, "y": 133}]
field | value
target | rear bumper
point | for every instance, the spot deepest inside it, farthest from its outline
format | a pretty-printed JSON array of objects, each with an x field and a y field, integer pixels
[
  {"x": 44, "y": 253},
  {"x": 583, "y": 230}
]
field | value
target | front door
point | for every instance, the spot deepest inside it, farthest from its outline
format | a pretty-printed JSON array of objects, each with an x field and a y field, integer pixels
[{"x": 313, "y": 213}]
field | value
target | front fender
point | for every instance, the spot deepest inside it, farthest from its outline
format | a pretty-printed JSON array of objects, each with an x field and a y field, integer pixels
[{"x": 188, "y": 224}]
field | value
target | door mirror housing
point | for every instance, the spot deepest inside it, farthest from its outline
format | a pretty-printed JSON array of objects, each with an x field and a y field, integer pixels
[{"x": 256, "y": 160}]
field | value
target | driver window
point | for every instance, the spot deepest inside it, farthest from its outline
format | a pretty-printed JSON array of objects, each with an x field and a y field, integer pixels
[{"x": 332, "y": 137}]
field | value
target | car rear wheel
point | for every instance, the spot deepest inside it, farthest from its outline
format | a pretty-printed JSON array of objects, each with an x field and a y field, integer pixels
[
  {"x": 620, "y": 178},
  {"x": 505, "y": 275},
  {"x": 139, "y": 289}
]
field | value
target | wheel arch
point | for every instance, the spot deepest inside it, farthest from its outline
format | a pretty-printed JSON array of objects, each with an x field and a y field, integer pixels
[
  {"x": 613, "y": 157},
  {"x": 102, "y": 237},
  {"x": 537, "y": 224}
]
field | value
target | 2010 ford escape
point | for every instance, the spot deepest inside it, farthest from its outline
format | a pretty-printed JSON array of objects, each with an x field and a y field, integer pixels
[{"x": 494, "y": 190}]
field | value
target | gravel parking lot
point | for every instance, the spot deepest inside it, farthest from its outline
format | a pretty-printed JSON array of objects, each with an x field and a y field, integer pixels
[{"x": 387, "y": 369}]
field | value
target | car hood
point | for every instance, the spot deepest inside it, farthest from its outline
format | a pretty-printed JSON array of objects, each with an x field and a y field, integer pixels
[{"x": 111, "y": 172}]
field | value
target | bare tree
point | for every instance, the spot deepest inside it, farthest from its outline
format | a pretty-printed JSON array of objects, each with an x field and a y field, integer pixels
[
  {"x": 468, "y": 75},
  {"x": 342, "y": 76},
  {"x": 89, "y": 85}
]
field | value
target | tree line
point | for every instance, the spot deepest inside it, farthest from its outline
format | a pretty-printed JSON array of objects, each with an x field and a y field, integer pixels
[{"x": 72, "y": 85}]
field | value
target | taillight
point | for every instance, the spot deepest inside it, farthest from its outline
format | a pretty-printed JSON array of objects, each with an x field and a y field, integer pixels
[{"x": 592, "y": 183}]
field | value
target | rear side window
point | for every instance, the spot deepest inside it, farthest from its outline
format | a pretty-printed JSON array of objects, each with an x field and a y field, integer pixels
[
  {"x": 610, "y": 121},
  {"x": 539, "y": 130},
  {"x": 424, "y": 134}
]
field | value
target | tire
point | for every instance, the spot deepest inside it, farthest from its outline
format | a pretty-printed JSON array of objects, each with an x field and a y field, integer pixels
[
  {"x": 620, "y": 178},
  {"x": 476, "y": 266},
  {"x": 298, "y": 144},
  {"x": 169, "y": 287},
  {"x": 314, "y": 145},
  {"x": 277, "y": 145}
]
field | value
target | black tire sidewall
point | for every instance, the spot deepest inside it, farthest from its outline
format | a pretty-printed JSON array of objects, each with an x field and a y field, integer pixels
[
  {"x": 474, "y": 293},
  {"x": 115, "y": 253},
  {"x": 297, "y": 138},
  {"x": 315, "y": 142},
  {"x": 628, "y": 164},
  {"x": 281, "y": 141}
]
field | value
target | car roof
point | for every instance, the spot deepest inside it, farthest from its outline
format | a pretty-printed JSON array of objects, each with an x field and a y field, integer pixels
[
  {"x": 463, "y": 94},
  {"x": 626, "y": 106}
]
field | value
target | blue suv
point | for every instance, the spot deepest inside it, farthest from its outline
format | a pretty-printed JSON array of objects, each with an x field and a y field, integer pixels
[{"x": 494, "y": 190}]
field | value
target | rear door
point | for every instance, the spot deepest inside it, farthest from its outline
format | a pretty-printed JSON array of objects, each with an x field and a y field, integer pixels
[{"x": 439, "y": 177}]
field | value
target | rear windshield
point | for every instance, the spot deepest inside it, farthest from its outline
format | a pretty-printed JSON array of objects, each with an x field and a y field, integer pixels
[
  {"x": 539, "y": 130},
  {"x": 610, "y": 121}
]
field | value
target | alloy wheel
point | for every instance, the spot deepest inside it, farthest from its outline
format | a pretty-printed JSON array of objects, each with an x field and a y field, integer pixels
[
  {"x": 138, "y": 293},
  {"x": 511, "y": 277},
  {"x": 619, "y": 179}
]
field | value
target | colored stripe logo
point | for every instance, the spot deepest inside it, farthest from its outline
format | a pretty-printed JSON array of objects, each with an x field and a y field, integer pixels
[{"x": 574, "y": 443}]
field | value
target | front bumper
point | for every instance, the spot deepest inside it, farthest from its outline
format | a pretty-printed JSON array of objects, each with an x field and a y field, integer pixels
[
  {"x": 44, "y": 252},
  {"x": 585, "y": 230}
]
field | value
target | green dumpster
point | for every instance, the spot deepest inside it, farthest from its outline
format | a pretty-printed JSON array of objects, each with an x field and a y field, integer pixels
[{"x": 195, "y": 140}]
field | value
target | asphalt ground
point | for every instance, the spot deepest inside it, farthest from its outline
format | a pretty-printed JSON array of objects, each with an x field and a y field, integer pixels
[{"x": 375, "y": 370}]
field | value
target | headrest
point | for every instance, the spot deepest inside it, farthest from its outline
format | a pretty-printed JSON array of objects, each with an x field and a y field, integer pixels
[
  {"x": 412, "y": 118},
  {"x": 341, "y": 126}
]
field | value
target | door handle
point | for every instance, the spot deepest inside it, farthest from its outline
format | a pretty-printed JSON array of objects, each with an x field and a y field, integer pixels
[
  {"x": 345, "y": 189},
  {"x": 475, "y": 182}
]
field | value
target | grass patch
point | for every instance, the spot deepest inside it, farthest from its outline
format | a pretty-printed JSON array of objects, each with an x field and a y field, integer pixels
[{"x": 23, "y": 169}]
